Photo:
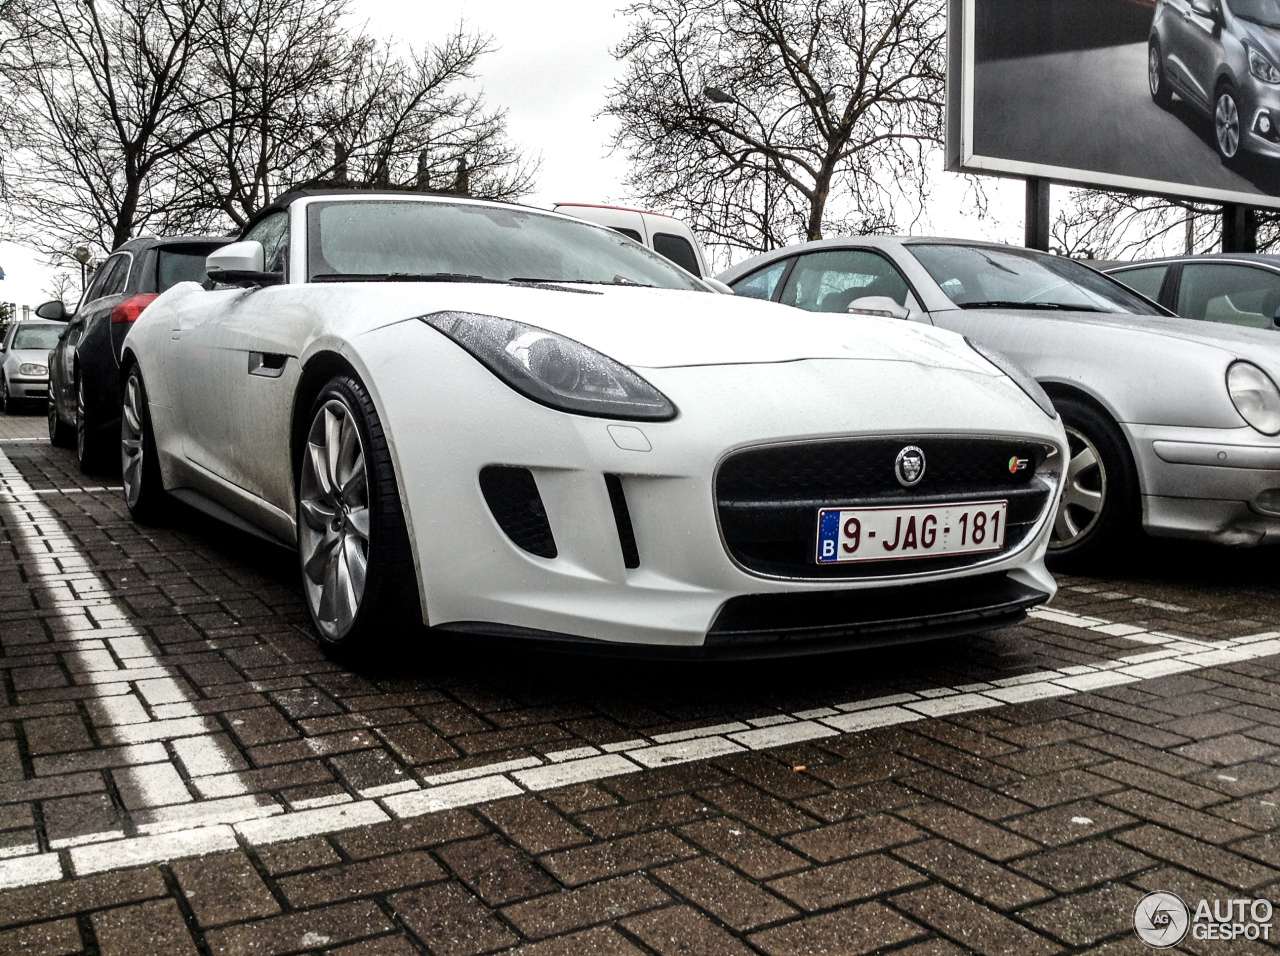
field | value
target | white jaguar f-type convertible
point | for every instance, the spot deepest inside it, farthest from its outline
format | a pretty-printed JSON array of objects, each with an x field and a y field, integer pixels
[{"x": 496, "y": 420}]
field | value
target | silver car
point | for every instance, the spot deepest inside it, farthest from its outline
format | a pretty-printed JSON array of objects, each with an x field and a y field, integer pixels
[
  {"x": 1223, "y": 58},
  {"x": 1175, "y": 419},
  {"x": 24, "y": 363}
]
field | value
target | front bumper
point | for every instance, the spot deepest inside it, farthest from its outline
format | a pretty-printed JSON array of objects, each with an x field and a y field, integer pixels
[
  {"x": 473, "y": 578},
  {"x": 1260, "y": 118},
  {"x": 1220, "y": 485},
  {"x": 24, "y": 388}
]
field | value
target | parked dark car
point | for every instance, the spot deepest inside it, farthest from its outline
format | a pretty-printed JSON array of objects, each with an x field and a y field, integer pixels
[
  {"x": 84, "y": 368},
  {"x": 1234, "y": 288},
  {"x": 24, "y": 363}
]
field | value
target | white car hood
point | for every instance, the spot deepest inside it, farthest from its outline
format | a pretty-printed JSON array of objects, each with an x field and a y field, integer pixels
[{"x": 658, "y": 328}]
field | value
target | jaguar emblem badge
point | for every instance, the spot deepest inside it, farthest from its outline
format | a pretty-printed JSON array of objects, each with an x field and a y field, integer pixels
[{"x": 909, "y": 466}]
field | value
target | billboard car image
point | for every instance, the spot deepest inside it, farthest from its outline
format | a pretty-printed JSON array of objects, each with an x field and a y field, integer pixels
[{"x": 1174, "y": 96}]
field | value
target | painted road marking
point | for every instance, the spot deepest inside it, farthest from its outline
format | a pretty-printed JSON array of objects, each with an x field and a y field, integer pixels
[{"x": 128, "y": 675}]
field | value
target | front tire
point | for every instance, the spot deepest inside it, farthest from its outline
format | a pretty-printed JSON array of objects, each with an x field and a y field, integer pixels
[
  {"x": 357, "y": 568},
  {"x": 139, "y": 466},
  {"x": 61, "y": 435},
  {"x": 1226, "y": 124},
  {"x": 1098, "y": 507},
  {"x": 1157, "y": 79},
  {"x": 6, "y": 400}
]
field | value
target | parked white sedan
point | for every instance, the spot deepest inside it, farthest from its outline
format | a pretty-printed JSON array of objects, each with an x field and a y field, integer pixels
[{"x": 503, "y": 421}]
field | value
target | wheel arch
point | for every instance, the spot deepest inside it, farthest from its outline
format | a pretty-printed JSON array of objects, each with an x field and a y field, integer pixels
[
  {"x": 1062, "y": 389},
  {"x": 317, "y": 371}
]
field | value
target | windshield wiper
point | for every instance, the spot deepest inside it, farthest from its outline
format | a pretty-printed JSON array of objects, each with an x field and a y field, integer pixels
[
  {"x": 616, "y": 280},
  {"x": 1010, "y": 304},
  {"x": 402, "y": 277}
]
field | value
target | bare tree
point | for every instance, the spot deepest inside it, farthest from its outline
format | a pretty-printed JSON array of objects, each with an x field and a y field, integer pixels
[
  {"x": 62, "y": 286},
  {"x": 1110, "y": 225},
  {"x": 768, "y": 120},
  {"x": 404, "y": 124},
  {"x": 103, "y": 102}
]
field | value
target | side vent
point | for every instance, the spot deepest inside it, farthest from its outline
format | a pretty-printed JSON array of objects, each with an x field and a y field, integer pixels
[
  {"x": 513, "y": 497},
  {"x": 622, "y": 517}
]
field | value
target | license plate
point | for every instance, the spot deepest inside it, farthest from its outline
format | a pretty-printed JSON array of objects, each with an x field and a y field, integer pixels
[{"x": 888, "y": 534}]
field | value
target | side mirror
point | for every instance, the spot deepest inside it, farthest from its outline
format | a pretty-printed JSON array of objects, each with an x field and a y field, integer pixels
[
  {"x": 881, "y": 305},
  {"x": 719, "y": 286},
  {"x": 240, "y": 263},
  {"x": 53, "y": 309}
]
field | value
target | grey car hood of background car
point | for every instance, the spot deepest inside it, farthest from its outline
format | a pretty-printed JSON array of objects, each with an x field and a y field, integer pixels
[
  {"x": 1266, "y": 39},
  {"x": 1145, "y": 370}
]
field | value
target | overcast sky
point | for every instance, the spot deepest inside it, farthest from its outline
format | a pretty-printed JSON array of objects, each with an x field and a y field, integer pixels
[{"x": 551, "y": 72}]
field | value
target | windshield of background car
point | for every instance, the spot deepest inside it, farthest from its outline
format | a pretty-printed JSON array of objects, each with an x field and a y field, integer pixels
[
  {"x": 36, "y": 337},
  {"x": 438, "y": 238},
  {"x": 976, "y": 277},
  {"x": 1263, "y": 12},
  {"x": 184, "y": 264}
]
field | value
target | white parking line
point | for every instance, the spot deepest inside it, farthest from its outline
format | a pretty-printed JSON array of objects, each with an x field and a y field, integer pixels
[{"x": 130, "y": 677}]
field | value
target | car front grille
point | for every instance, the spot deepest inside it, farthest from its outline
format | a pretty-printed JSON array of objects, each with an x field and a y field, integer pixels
[{"x": 768, "y": 498}]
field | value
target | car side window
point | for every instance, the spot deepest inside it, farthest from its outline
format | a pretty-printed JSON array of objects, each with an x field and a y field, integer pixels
[
  {"x": 114, "y": 282},
  {"x": 273, "y": 233},
  {"x": 761, "y": 283},
  {"x": 1234, "y": 294},
  {"x": 101, "y": 278},
  {"x": 1144, "y": 281},
  {"x": 678, "y": 250},
  {"x": 829, "y": 281},
  {"x": 629, "y": 233}
]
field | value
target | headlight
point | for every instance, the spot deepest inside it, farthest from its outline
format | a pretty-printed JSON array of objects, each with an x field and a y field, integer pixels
[
  {"x": 1263, "y": 68},
  {"x": 552, "y": 369},
  {"x": 30, "y": 368},
  {"x": 1255, "y": 397},
  {"x": 1020, "y": 378}
]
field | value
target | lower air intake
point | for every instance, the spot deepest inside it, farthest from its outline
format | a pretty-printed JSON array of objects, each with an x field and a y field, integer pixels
[{"x": 513, "y": 497}]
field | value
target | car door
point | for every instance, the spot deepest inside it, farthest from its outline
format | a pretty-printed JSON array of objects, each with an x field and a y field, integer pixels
[
  {"x": 1202, "y": 48},
  {"x": 98, "y": 301},
  {"x": 1231, "y": 293},
  {"x": 1178, "y": 40},
  {"x": 236, "y": 371}
]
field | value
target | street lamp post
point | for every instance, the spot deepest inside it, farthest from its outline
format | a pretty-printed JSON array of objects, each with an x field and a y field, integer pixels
[{"x": 81, "y": 255}]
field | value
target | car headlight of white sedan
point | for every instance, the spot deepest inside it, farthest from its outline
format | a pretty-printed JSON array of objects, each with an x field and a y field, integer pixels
[{"x": 31, "y": 368}]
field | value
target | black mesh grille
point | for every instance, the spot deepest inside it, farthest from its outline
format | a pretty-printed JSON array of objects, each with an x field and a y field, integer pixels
[
  {"x": 622, "y": 518},
  {"x": 768, "y": 498},
  {"x": 513, "y": 498}
]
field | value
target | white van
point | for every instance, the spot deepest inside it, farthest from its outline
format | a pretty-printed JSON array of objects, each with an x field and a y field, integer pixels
[{"x": 664, "y": 235}]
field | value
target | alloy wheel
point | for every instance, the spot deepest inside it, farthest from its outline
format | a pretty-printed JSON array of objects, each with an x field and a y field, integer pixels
[
  {"x": 1226, "y": 125},
  {"x": 1155, "y": 72},
  {"x": 53, "y": 418},
  {"x": 333, "y": 511},
  {"x": 82, "y": 436},
  {"x": 132, "y": 446},
  {"x": 1084, "y": 492}
]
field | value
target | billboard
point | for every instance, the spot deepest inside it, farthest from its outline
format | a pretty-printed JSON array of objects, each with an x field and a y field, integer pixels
[{"x": 1177, "y": 97}]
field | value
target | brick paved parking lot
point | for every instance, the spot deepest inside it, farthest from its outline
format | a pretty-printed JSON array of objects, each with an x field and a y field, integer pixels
[{"x": 181, "y": 771}]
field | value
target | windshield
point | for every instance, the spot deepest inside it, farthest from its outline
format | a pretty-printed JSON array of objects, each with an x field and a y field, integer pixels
[
  {"x": 975, "y": 277},
  {"x": 1263, "y": 12},
  {"x": 410, "y": 239},
  {"x": 36, "y": 336}
]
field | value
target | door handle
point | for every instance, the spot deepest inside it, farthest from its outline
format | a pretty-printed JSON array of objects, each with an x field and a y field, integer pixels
[{"x": 267, "y": 364}]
